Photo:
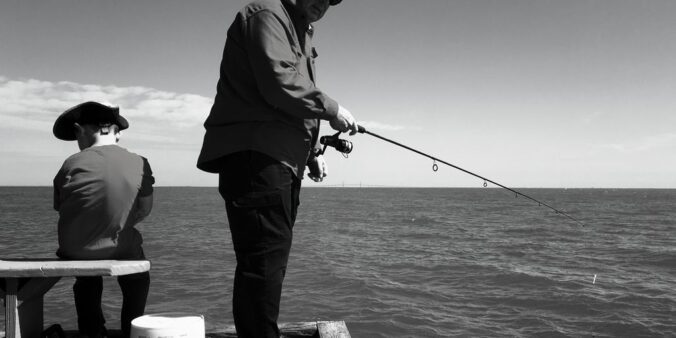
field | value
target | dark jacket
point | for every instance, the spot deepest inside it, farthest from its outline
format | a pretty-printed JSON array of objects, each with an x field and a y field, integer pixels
[
  {"x": 266, "y": 97},
  {"x": 96, "y": 193}
]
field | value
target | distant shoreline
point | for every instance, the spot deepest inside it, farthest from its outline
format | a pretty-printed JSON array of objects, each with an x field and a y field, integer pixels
[{"x": 365, "y": 186}]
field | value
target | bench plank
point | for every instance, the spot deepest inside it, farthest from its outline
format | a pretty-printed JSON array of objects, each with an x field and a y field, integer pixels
[{"x": 15, "y": 268}]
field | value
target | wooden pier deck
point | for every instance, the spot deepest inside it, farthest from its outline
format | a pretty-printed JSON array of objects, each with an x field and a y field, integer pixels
[
  {"x": 23, "y": 283},
  {"x": 320, "y": 329}
]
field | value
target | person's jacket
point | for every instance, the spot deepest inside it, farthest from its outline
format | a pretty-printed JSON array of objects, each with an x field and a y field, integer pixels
[{"x": 266, "y": 98}]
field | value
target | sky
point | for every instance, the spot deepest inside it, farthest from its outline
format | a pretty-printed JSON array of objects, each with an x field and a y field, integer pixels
[{"x": 559, "y": 94}]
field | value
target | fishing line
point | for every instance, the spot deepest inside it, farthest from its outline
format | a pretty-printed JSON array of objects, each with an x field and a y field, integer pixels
[{"x": 345, "y": 147}]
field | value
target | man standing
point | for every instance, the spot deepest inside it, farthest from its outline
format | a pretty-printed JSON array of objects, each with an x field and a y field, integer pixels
[
  {"x": 259, "y": 137},
  {"x": 101, "y": 193}
]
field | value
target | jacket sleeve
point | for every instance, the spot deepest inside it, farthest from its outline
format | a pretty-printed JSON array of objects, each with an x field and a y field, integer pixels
[
  {"x": 143, "y": 203},
  {"x": 277, "y": 63},
  {"x": 57, "y": 202},
  {"x": 57, "y": 184},
  {"x": 148, "y": 180}
]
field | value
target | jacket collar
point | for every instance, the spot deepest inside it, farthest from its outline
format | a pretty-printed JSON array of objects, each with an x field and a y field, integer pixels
[{"x": 300, "y": 25}]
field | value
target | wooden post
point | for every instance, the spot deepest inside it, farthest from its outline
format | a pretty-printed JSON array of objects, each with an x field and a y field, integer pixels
[{"x": 12, "y": 329}]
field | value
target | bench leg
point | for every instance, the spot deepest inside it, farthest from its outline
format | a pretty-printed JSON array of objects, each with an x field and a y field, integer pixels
[
  {"x": 12, "y": 329},
  {"x": 23, "y": 306}
]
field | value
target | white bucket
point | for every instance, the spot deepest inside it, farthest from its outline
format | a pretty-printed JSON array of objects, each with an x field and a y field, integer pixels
[{"x": 168, "y": 325}]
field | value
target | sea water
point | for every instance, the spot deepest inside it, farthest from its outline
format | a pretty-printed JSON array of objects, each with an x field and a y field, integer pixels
[{"x": 406, "y": 262}]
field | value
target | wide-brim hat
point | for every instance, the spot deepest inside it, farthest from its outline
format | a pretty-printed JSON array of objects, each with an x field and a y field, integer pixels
[
  {"x": 334, "y": 2},
  {"x": 87, "y": 113}
]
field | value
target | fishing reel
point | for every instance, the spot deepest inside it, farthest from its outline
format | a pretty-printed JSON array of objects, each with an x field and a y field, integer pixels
[{"x": 343, "y": 146}]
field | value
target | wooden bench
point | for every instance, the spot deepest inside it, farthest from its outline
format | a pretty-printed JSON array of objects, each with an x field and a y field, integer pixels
[{"x": 23, "y": 283}]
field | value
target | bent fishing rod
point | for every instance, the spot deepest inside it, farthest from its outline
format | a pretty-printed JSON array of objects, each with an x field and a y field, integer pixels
[{"x": 345, "y": 147}]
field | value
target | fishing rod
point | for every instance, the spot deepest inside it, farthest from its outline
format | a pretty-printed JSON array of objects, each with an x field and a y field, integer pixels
[{"x": 345, "y": 147}]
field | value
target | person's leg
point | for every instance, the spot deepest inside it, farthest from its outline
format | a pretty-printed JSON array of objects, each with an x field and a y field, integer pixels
[
  {"x": 134, "y": 294},
  {"x": 259, "y": 194},
  {"x": 87, "y": 292}
]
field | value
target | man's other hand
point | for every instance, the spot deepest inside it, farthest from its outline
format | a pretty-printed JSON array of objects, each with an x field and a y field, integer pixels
[{"x": 318, "y": 168}]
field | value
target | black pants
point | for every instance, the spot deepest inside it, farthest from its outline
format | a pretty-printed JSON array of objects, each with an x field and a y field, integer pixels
[
  {"x": 261, "y": 199},
  {"x": 88, "y": 290}
]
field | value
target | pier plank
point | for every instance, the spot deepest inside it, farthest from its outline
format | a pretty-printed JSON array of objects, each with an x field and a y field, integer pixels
[
  {"x": 332, "y": 330},
  {"x": 321, "y": 329}
]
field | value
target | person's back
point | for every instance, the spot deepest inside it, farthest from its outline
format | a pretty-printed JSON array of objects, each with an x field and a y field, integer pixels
[
  {"x": 101, "y": 193},
  {"x": 95, "y": 191}
]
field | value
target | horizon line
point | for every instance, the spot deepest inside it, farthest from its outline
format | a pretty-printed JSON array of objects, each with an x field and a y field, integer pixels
[{"x": 365, "y": 186}]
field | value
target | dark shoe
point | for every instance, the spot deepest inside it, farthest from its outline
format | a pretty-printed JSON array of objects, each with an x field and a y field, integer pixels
[{"x": 54, "y": 331}]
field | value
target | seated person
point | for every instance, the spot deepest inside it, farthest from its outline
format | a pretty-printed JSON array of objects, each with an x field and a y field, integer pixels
[{"x": 101, "y": 193}]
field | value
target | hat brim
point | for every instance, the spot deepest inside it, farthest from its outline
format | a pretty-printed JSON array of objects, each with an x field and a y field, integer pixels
[
  {"x": 334, "y": 2},
  {"x": 64, "y": 127}
]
